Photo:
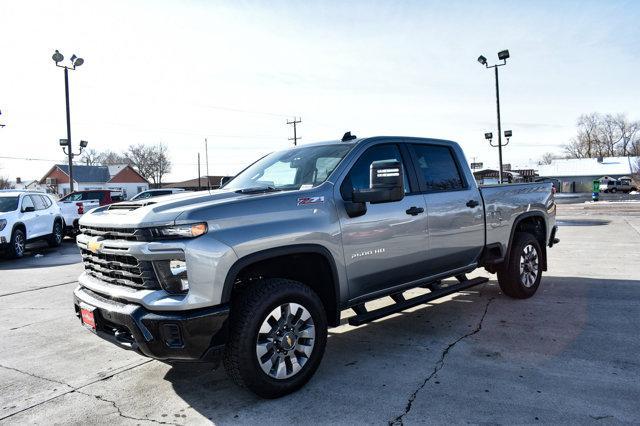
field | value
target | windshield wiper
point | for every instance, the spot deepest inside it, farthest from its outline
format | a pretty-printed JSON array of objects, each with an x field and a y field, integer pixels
[{"x": 257, "y": 190}]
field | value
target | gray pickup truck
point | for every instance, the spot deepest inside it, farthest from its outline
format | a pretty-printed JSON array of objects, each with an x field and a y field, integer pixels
[{"x": 254, "y": 273}]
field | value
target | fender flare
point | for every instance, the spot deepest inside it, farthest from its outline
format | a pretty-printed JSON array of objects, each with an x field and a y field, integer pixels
[
  {"x": 516, "y": 222},
  {"x": 19, "y": 224},
  {"x": 278, "y": 252}
]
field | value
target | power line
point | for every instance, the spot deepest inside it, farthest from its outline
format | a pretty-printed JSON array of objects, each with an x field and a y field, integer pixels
[{"x": 295, "y": 134}]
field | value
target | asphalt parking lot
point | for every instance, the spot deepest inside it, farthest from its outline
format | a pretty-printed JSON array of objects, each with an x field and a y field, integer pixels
[{"x": 569, "y": 354}]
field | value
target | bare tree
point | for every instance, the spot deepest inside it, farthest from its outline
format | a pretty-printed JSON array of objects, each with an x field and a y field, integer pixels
[
  {"x": 110, "y": 158},
  {"x": 151, "y": 161},
  {"x": 91, "y": 157},
  {"x": 4, "y": 183},
  {"x": 547, "y": 158},
  {"x": 600, "y": 135}
]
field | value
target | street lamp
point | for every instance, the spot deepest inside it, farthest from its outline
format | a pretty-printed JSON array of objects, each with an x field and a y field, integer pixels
[
  {"x": 75, "y": 62},
  {"x": 503, "y": 55},
  {"x": 68, "y": 150}
]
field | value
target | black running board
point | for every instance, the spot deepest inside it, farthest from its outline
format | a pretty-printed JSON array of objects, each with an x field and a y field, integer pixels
[{"x": 363, "y": 316}]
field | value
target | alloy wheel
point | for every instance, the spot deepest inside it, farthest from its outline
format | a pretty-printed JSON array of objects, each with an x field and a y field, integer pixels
[
  {"x": 529, "y": 266},
  {"x": 285, "y": 341},
  {"x": 18, "y": 244}
]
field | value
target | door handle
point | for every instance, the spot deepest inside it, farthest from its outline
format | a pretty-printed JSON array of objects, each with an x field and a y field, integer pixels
[
  {"x": 413, "y": 211},
  {"x": 472, "y": 203}
]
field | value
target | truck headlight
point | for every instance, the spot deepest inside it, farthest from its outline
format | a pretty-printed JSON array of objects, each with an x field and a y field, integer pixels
[
  {"x": 180, "y": 231},
  {"x": 172, "y": 275},
  {"x": 3, "y": 223}
]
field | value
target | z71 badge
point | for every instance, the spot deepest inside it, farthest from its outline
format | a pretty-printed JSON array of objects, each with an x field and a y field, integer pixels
[{"x": 303, "y": 201}]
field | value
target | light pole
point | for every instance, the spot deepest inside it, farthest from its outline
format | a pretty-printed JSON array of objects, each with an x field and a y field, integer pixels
[
  {"x": 75, "y": 62},
  {"x": 503, "y": 56},
  {"x": 489, "y": 136}
]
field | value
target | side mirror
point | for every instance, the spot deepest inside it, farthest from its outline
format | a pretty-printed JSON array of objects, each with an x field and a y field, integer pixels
[
  {"x": 386, "y": 183},
  {"x": 28, "y": 209},
  {"x": 224, "y": 180}
]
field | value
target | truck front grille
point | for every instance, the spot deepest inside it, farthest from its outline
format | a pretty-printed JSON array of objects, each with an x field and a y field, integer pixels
[
  {"x": 120, "y": 270},
  {"x": 129, "y": 234}
]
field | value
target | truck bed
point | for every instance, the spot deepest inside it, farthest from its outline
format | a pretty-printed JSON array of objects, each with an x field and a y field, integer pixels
[{"x": 503, "y": 203}]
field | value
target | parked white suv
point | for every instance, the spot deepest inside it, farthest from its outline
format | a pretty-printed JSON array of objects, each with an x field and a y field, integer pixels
[{"x": 28, "y": 216}]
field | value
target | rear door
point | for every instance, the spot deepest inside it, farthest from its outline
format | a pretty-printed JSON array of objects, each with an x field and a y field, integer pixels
[
  {"x": 42, "y": 217},
  {"x": 455, "y": 216},
  {"x": 387, "y": 245}
]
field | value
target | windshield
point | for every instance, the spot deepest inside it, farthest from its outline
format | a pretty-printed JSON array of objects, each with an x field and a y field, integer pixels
[
  {"x": 292, "y": 169},
  {"x": 8, "y": 204}
]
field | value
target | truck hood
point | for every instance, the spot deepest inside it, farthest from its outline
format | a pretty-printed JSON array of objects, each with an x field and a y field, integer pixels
[{"x": 158, "y": 211}]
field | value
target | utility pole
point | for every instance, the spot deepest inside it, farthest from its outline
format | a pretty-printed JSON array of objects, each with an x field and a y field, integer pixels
[
  {"x": 199, "y": 182},
  {"x": 206, "y": 154},
  {"x": 295, "y": 133}
]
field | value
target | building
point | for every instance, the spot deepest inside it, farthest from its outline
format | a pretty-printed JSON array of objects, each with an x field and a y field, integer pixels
[
  {"x": 194, "y": 184},
  {"x": 118, "y": 177},
  {"x": 578, "y": 174},
  {"x": 27, "y": 185},
  {"x": 490, "y": 176}
]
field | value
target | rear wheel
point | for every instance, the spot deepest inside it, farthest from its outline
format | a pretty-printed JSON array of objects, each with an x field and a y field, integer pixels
[
  {"x": 57, "y": 233},
  {"x": 17, "y": 244},
  {"x": 277, "y": 337},
  {"x": 520, "y": 278}
]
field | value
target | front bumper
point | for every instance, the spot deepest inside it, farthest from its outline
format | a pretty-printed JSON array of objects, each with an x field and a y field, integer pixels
[{"x": 195, "y": 335}]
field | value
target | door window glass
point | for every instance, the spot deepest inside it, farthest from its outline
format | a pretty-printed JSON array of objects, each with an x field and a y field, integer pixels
[
  {"x": 360, "y": 174},
  {"x": 438, "y": 168},
  {"x": 26, "y": 202},
  {"x": 93, "y": 195},
  {"x": 38, "y": 202}
]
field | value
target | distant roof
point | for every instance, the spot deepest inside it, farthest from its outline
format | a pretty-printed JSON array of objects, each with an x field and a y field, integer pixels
[
  {"x": 589, "y": 167},
  {"x": 193, "y": 183},
  {"x": 114, "y": 169},
  {"x": 87, "y": 173}
]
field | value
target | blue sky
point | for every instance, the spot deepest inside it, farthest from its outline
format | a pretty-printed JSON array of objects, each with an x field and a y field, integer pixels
[{"x": 177, "y": 72}]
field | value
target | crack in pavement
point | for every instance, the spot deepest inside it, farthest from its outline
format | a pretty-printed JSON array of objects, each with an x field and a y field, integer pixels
[
  {"x": 37, "y": 288},
  {"x": 439, "y": 365},
  {"x": 36, "y": 376},
  {"x": 124, "y": 416},
  {"x": 73, "y": 389}
]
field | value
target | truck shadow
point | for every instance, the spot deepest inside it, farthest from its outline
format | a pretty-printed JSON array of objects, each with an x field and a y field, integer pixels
[{"x": 374, "y": 368}]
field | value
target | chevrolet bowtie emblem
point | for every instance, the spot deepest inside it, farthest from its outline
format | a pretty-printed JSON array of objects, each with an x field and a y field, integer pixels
[{"x": 94, "y": 246}]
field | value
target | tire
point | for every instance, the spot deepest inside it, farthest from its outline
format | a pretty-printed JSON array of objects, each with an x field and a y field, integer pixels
[
  {"x": 255, "y": 329},
  {"x": 614, "y": 190},
  {"x": 520, "y": 278},
  {"x": 17, "y": 244},
  {"x": 57, "y": 234}
]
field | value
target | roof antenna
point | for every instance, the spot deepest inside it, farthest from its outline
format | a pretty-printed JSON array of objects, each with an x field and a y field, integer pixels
[{"x": 348, "y": 136}]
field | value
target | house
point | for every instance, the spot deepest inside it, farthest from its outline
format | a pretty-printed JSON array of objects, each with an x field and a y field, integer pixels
[
  {"x": 117, "y": 177},
  {"x": 578, "y": 174},
  {"x": 27, "y": 185},
  {"x": 195, "y": 184}
]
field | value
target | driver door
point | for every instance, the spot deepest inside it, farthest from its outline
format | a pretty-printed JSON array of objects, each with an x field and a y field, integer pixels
[
  {"x": 387, "y": 245},
  {"x": 30, "y": 218}
]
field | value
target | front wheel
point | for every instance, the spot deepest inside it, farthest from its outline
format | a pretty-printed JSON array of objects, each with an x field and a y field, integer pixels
[
  {"x": 277, "y": 337},
  {"x": 520, "y": 278},
  {"x": 17, "y": 244}
]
